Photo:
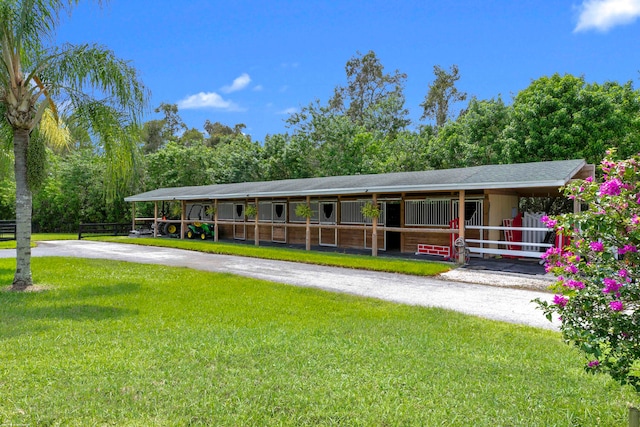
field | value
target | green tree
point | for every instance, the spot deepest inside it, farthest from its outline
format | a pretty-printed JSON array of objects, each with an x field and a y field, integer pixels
[
  {"x": 238, "y": 160},
  {"x": 177, "y": 165},
  {"x": 372, "y": 98},
  {"x": 74, "y": 192},
  {"x": 219, "y": 133},
  {"x": 36, "y": 76},
  {"x": 442, "y": 95},
  {"x": 563, "y": 117},
  {"x": 474, "y": 138},
  {"x": 286, "y": 157}
]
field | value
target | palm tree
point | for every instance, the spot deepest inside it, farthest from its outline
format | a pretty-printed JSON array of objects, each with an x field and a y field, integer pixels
[{"x": 36, "y": 76}]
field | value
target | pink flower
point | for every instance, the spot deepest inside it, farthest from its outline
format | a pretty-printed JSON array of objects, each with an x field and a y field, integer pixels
[
  {"x": 593, "y": 363},
  {"x": 574, "y": 284},
  {"x": 611, "y": 188},
  {"x": 560, "y": 300},
  {"x": 635, "y": 219},
  {"x": 589, "y": 179},
  {"x": 627, "y": 248},
  {"x": 610, "y": 286},
  {"x": 596, "y": 246},
  {"x": 548, "y": 221},
  {"x": 616, "y": 305},
  {"x": 571, "y": 269}
]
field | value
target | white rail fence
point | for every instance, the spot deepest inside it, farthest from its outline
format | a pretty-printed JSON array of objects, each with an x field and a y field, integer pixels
[{"x": 534, "y": 248}]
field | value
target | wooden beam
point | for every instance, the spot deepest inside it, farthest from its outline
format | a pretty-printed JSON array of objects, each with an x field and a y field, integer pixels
[
  {"x": 182, "y": 218},
  {"x": 307, "y": 231},
  {"x": 374, "y": 229},
  {"x": 133, "y": 216},
  {"x": 461, "y": 221},
  {"x": 256, "y": 229},
  {"x": 215, "y": 220}
]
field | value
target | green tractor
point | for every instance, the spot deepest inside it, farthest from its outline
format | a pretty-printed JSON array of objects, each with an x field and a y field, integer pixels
[{"x": 199, "y": 229}]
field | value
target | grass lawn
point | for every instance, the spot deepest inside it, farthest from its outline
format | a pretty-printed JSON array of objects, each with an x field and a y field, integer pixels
[{"x": 111, "y": 343}]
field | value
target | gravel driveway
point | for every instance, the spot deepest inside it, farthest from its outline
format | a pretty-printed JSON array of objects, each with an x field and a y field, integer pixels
[{"x": 498, "y": 301}]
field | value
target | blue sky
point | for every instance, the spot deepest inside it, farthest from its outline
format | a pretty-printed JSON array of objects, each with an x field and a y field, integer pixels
[{"x": 254, "y": 62}]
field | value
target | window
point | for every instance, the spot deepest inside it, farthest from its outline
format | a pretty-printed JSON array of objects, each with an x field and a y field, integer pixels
[
  {"x": 427, "y": 212},
  {"x": 472, "y": 211},
  {"x": 351, "y": 212},
  {"x": 264, "y": 211},
  {"x": 295, "y": 218},
  {"x": 225, "y": 211}
]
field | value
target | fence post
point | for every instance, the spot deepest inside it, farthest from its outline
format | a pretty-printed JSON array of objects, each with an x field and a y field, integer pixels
[{"x": 634, "y": 417}]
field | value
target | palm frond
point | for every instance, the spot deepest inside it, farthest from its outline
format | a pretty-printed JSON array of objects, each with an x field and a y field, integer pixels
[
  {"x": 73, "y": 69},
  {"x": 118, "y": 138},
  {"x": 55, "y": 131}
]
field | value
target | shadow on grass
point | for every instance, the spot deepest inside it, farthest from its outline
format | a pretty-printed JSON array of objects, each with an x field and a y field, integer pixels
[
  {"x": 104, "y": 290},
  {"x": 78, "y": 312},
  {"x": 30, "y": 313}
]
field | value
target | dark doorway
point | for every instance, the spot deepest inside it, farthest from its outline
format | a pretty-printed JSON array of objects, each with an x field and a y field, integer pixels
[{"x": 393, "y": 220}]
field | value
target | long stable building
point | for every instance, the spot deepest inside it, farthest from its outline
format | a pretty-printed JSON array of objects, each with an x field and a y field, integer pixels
[{"x": 420, "y": 212}]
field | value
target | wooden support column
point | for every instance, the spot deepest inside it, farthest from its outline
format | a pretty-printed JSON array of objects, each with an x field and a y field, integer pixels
[
  {"x": 215, "y": 220},
  {"x": 155, "y": 219},
  {"x": 307, "y": 231},
  {"x": 133, "y": 216},
  {"x": 461, "y": 221},
  {"x": 374, "y": 229},
  {"x": 402, "y": 224},
  {"x": 576, "y": 206},
  {"x": 256, "y": 230},
  {"x": 182, "y": 218}
]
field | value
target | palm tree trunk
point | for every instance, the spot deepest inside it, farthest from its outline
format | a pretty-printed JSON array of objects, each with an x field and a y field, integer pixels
[{"x": 22, "y": 278}]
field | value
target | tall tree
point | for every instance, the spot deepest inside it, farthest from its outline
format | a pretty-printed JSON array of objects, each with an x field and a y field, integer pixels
[
  {"x": 37, "y": 75},
  {"x": 442, "y": 95},
  {"x": 371, "y": 97},
  {"x": 219, "y": 133}
]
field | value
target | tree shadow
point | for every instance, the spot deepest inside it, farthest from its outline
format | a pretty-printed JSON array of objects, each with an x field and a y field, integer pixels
[
  {"x": 103, "y": 290},
  {"x": 21, "y": 317}
]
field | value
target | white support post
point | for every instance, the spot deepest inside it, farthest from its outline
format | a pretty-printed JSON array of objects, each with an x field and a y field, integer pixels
[{"x": 155, "y": 219}]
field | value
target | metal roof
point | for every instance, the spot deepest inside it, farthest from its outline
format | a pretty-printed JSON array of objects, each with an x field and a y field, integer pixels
[{"x": 552, "y": 174}]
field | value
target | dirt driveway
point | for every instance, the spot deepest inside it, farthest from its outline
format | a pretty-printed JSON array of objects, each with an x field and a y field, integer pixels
[{"x": 493, "y": 302}]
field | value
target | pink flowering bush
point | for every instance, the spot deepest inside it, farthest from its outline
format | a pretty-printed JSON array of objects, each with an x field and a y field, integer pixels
[{"x": 597, "y": 293}]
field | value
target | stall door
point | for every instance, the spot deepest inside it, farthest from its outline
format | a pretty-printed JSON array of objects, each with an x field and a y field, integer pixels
[
  {"x": 327, "y": 213},
  {"x": 239, "y": 226},
  {"x": 279, "y": 218}
]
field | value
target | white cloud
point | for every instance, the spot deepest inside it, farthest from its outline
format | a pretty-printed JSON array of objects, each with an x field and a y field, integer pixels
[
  {"x": 207, "y": 100},
  {"x": 602, "y": 15},
  {"x": 239, "y": 83},
  {"x": 290, "y": 110},
  {"x": 258, "y": 88}
]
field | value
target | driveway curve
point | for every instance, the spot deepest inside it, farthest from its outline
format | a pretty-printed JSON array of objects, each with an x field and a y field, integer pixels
[{"x": 491, "y": 302}]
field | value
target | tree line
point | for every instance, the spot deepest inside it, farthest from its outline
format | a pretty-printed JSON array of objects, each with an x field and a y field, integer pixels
[{"x": 363, "y": 128}]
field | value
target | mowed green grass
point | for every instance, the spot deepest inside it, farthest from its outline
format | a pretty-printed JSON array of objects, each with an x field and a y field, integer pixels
[{"x": 111, "y": 343}]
